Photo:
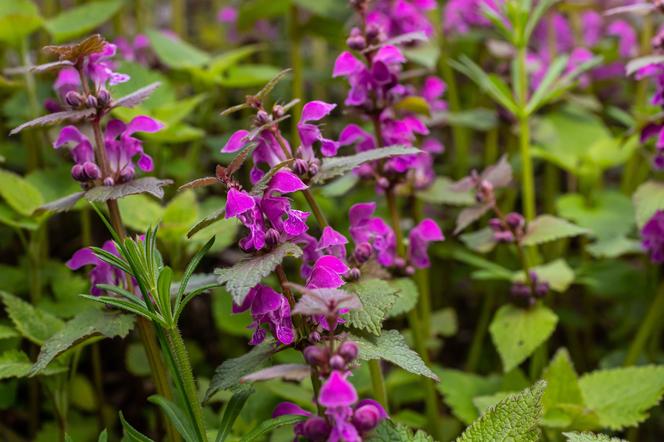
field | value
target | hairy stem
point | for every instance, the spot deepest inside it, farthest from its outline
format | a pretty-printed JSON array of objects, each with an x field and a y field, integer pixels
[{"x": 648, "y": 326}]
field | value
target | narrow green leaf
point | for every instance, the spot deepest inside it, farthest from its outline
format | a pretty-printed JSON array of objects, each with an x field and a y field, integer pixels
[
  {"x": 131, "y": 433},
  {"x": 272, "y": 424},
  {"x": 232, "y": 411},
  {"x": 177, "y": 418},
  {"x": 78, "y": 21},
  {"x": 552, "y": 75}
]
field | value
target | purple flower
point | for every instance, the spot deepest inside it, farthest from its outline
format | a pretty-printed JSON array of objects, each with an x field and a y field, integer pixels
[
  {"x": 310, "y": 133},
  {"x": 432, "y": 91},
  {"x": 366, "y": 229},
  {"x": 327, "y": 273},
  {"x": 419, "y": 238},
  {"x": 102, "y": 272},
  {"x": 333, "y": 242},
  {"x": 460, "y": 16},
  {"x": 402, "y": 16},
  {"x": 68, "y": 80},
  {"x": 136, "y": 50},
  {"x": 627, "y": 39},
  {"x": 268, "y": 150},
  {"x": 82, "y": 153},
  {"x": 269, "y": 308},
  {"x": 653, "y": 237},
  {"x": 99, "y": 68}
]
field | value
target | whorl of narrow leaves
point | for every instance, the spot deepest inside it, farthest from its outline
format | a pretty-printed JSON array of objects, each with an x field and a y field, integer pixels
[
  {"x": 547, "y": 228},
  {"x": 227, "y": 376},
  {"x": 136, "y": 97},
  {"x": 391, "y": 346},
  {"x": 336, "y": 166},
  {"x": 55, "y": 118},
  {"x": 377, "y": 298},
  {"x": 33, "y": 324},
  {"x": 517, "y": 332},
  {"x": 85, "y": 325},
  {"x": 591, "y": 437},
  {"x": 622, "y": 396},
  {"x": 512, "y": 419},
  {"x": 244, "y": 275},
  {"x": 388, "y": 431}
]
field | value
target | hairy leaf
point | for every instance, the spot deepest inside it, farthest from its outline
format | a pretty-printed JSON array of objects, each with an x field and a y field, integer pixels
[
  {"x": 469, "y": 215},
  {"x": 336, "y": 166},
  {"x": 60, "y": 205},
  {"x": 153, "y": 186},
  {"x": 83, "y": 326},
  {"x": 33, "y": 324},
  {"x": 227, "y": 376},
  {"x": 19, "y": 194},
  {"x": 441, "y": 192},
  {"x": 55, "y": 118},
  {"x": 516, "y": 332},
  {"x": 648, "y": 199},
  {"x": 244, "y": 275},
  {"x": 377, "y": 298},
  {"x": 406, "y": 296},
  {"x": 562, "y": 391},
  {"x": 547, "y": 228},
  {"x": 622, "y": 396},
  {"x": 388, "y": 431},
  {"x": 289, "y": 372},
  {"x": 459, "y": 388},
  {"x": 591, "y": 437},
  {"x": 137, "y": 97},
  {"x": 512, "y": 419},
  {"x": 391, "y": 346}
]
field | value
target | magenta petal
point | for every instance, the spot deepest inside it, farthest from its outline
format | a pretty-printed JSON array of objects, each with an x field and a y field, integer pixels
[
  {"x": 235, "y": 142},
  {"x": 145, "y": 163},
  {"x": 361, "y": 212},
  {"x": 337, "y": 392},
  {"x": 381, "y": 411},
  {"x": 285, "y": 181},
  {"x": 333, "y": 263},
  {"x": 238, "y": 202},
  {"x": 143, "y": 123},
  {"x": 69, "y": 134},
  {"x": 266, "y": 300},
  {"x": 82, "y": 257},
  {"x": 346, "y": 64},
  {"x": 331, "y": 237},
  {"x": 389, "y": 54},
  {"x": 316, "y": 110},
  {"x": 428, "y": 230},
  {"x": 289, "y": 408}
]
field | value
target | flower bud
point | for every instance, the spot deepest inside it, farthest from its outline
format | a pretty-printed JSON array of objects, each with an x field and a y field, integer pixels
[
  {"x": 127, "y": 174},
  {"x": 315, "y": 428},
  {"x": 363, "y": 253},
  {"x": 541, "y": 289},
  {"x": 262, "y": 118},
  {"x": 104, "y": 98},
  {"x": 503, "y": 236},
  {"x": 348, "y": 350},
  {"x": 272, "y": 237},
  {"x": 78, "y": 173},
  {"x": 337, "y": 363},
  {"x": 383, "y": 182},
  {"x": 316, "y": 356},
  {"x": 496, "y": 224},
  {"x": 373, "y": 33},
  {"x": 356, "y": 40},
  {"x": 74, "y": 99},
  {"x": 278, "y": 111},
  {"x": 410, "y": 270},
  {"x": 354, "y": 274},
  {"x": 399, "y": 262},
  {"x": 91, "y": 101},
  {"x": 515, "y": 220},
  {"x": 109, "y": 181},
  {"x": 300, "y": 167},
  {"x": 366, "y": 418},
  {"x": 314, "y": 337},
  {"x": 313, "y": 169},
  {"x": 520, "y": 290},
  {"x": 91, "y": 170}
]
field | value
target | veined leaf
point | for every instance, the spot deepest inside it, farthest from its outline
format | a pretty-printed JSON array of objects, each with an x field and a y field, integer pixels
[
  {"x": 406, "y": 296},
  {"x": 19, "y": 194},
  {"x": 34, "y": 324},
  {"x": 388, "y": 431},
  {"x": 176, "y": 53},
  {"x": 151, "y": 185},
  {"x": 377, "y": 298},
  {"x": 547, "y": 228},
  {"x": 591, "y": 437},
  {"x": 648, "y": 199}
]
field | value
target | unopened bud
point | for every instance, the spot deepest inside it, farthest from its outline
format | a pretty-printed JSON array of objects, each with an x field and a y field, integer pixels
[
  {"x": 300, "y": 167},
  {"x": 383, "y": 182},
  {"x": 109, "y": 181},
  {"x": 262, "y": 118},
  {"x": 278, "y": 111},
  {"x": 337, "y": 363},
  {"x": 314, "y": 337},
  {"x": 541, "y": 289},
  {"x": 363, "y": 253},
  {"x": 91, "y": 170},
  {"x": 356, "y": 40},
  {"x": 272, "y": 237},
  {"x": 313, "y": 169},
  {"x": 127, "y": 174},
  {"x": 316, "y": 428},
  {"x": 78, "y": 173},
  {"x": 366, "y": 418},
  {"x": 410, "y": 270},
  {"x": 514, "y": 220},
  {"x": 104, "y": 98},
  {"x": 348, "y": 350},
  {"x": 354, "y": 274},
  {"x": 91, "y": 101},
  {"x": 316, "y": 356},
  {"x": 74, "y": 99},
  {"x": 399, "y": 262}
]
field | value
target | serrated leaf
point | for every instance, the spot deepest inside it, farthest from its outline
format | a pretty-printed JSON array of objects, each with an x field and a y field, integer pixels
[
  {"x": 244, "y": 275},
  {"x": 61, "y": 204},
  {"x": 406, "y": 296},
  {"x": 547, "y": 228},
  {"x": 469, "y": 215},
  {"x": 391, "y": 346},
  {"x": 19, "y": 194},
  {"x": 481, "y": 241},
  {"x": 622, "y": 396},
  {"x": 517, "y": 332},
  {"x": 389, "y": 431},
  {"x": 513, "y": 419},
  {"x": 562, "y": 389},
  {"x": 441, "y": 192},
  {"x": 137, "y": 97},
  {"x": 33, "y": 324},
  {"x": 459, "y": 388},
  {"x": 174, "y": 52},
  {"x": 611, "y": 213},
  {"x": 336, "y": 166},
  {"x": 14, "y": 364},
  {"x": 83, "y": 326},
  {"x": 151, "y": 185},
  {"x": 75, "y": 22},
  {"x": 227, "y": 376},
  {"x": 590, "y": 437},
  {"x": 648, "y": 199},
  {"x": 377, "y": 298}
]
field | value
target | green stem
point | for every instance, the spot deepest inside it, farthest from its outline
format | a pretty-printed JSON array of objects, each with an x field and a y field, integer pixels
[
  {"x": 37, "y": 136},
  {"x": 298, "y": 69},
  {"x": 395, "y": 220},
  {"x": 315, "y": 208},
  {"x": 179, "y": 17},
  {"x": 378, "y": 383},
  {"x": 185, "y": 373},
  {"x": 97, "y": 376},
  {"x": 527, "y": 173},
  {"x": 654, "y": 316},
  {"x": 480, "y": 332}
]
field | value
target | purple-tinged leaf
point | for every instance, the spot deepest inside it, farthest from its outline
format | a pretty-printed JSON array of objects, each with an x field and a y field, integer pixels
[
  {"x": 264, "y": 92},
  {"x": 470, "y": 215},
  {"x": 61, "y": 205},
  {"x": 199, "y": 182},
  {"x": 73, "y": 52},
  {"x": 637, "y": 8},
  {"x": 251, "y": 136},
  {"x": 240, "y": 158},
  {"x": 288, "y": 372},
  {"x": 55, "y": 118},
  {"x": 153, "y": 186},
  {"x": 499, "y": 174},
  {"x": 51, "y": 66},
  {"x": 136, "y": 97},
  {"x": 641, "y": 62},
  {"x": 324, "y": 301}
]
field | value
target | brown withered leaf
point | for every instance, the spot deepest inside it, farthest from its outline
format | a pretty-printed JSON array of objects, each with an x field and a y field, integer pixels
[
  {"x": 199, "y": 182},
  {"x": 74, "y": 52}
]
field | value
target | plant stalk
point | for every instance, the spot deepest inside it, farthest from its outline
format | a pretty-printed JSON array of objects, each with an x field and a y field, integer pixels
[
  {"x": 298, "y": 69},
  {"x": 378, "y": 383},
  {"x": 648, "y": 326}
]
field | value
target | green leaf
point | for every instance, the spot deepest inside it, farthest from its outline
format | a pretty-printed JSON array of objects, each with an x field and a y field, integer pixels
[
  {"x": 391, "y": 346},
  {"x": 547, "y": 228},
  {"x": 336, "y": 166},
  {"x": 227, "y": 376},
  {"x": 33, "y": 324},
  {"x": 19, "y": 194},
  {"x": 83, "y": 326},
  {"x": 141, "y": 77},
  {"x": 480, "y": 241},
  {"x": 325, "y": 8},
  {"x": 18, "y": 19},
  {"x": 562, "y": 400},
  {"x": 414, "y": 104},
  {"x": 552, "y": 74},
  {"x": 181, "y": 212},
  {"x": 247, "y": 75},
  {"x": 244, "y": 275},
  {"x": 512, "y": 419},
  {"x": 516, "y": 332},
  {"x": 177, "y": 417},
  {"x": 131, "y": 434},
  {"x": 491, "y": 84},
  {"x": 14, "y": 364},
  {"x": 78, "y": 21},
  {"x": 406, "y": 296},
  {"x": 153, "y": 186},
  {"x": 139, "y": 212},
  {"x": 389, "y": 431},
  {"x": 557, "y": 273},
  {"x": 590, "y": 437},
  {"x": 377, "y": 298},
  {"x": 271, "y": 424},
  {"x": 622, "y": 396},
  {"x": 459, "y": 388},
  {"x": 440, "y": 192},
  {"x": 176, "y": 53},
  {"x": 648, "y": 199},
  {"x": 232, "y": 411},
  {"x": 7, "y": 332},
  {"x": 82, "y": 394}
]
